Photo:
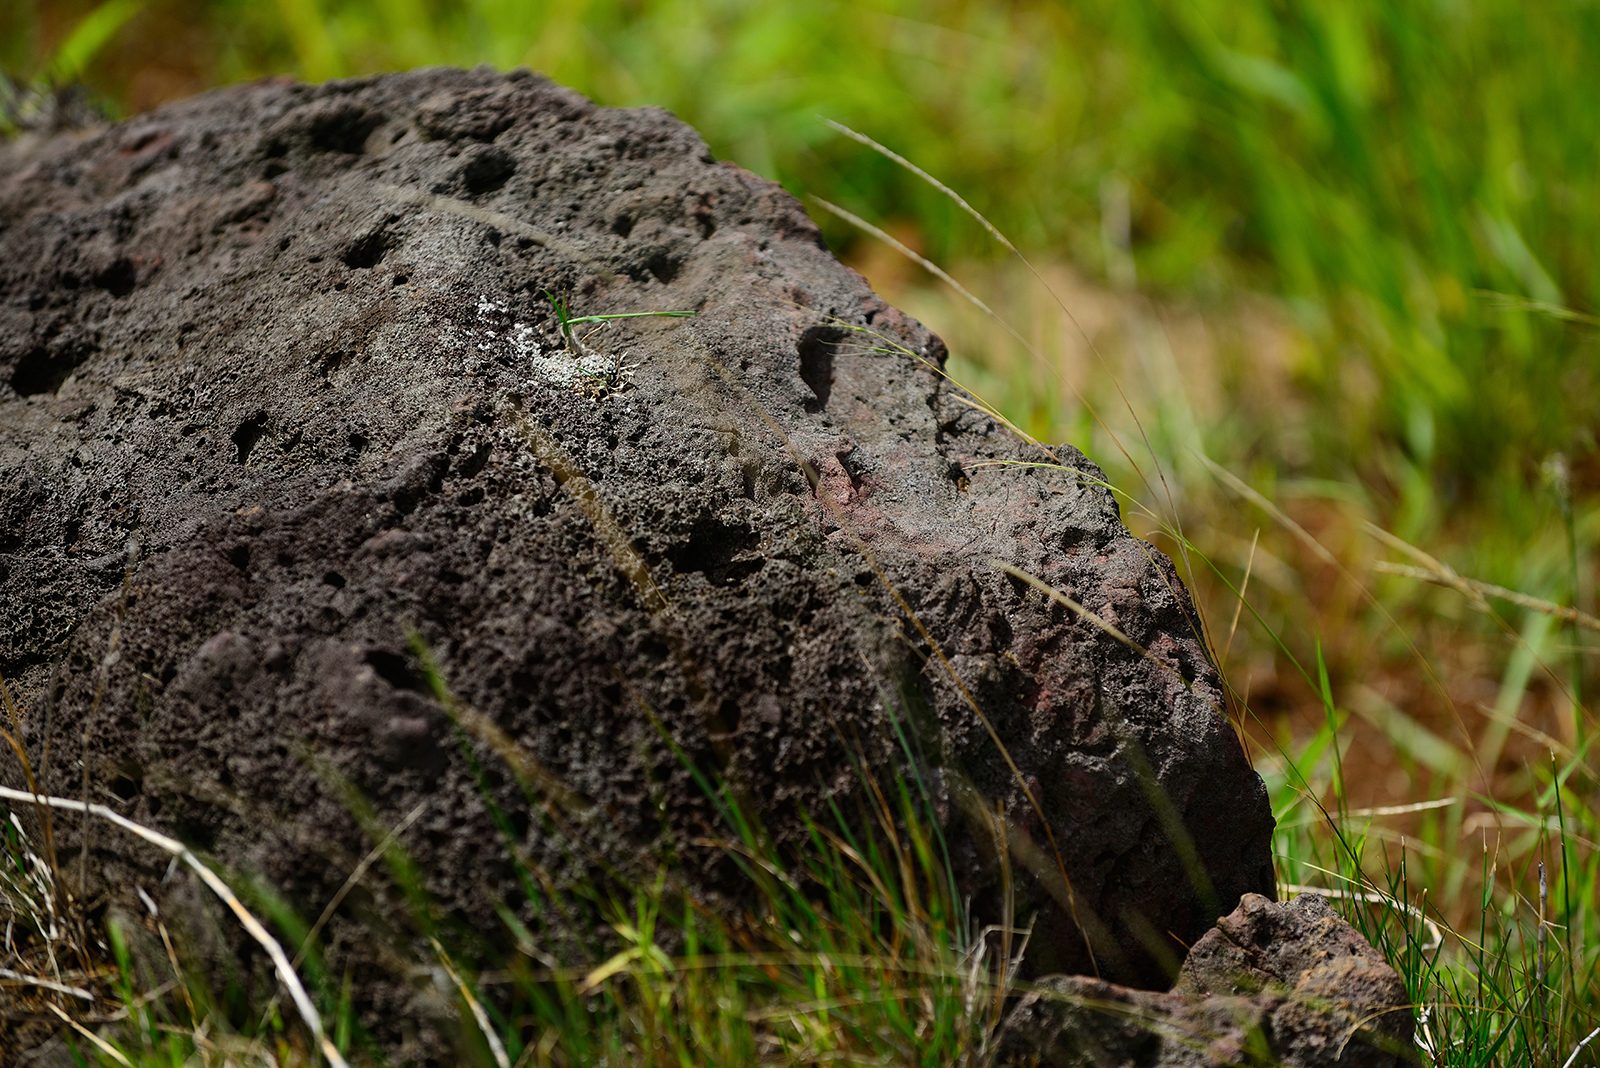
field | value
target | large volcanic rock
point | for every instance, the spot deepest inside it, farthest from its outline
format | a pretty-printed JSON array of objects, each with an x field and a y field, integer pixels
[{"x": 282, "y": 355}]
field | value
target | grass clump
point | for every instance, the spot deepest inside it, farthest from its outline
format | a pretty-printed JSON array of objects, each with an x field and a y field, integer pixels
[
  {"x": 1497, "y": 939},
  {"x": 853, "y": 951}
]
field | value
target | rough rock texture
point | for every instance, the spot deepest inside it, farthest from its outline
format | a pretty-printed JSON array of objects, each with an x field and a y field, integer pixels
[
  {"x": 292, "y": 345},
  {"x": 1271, "y": 984}
]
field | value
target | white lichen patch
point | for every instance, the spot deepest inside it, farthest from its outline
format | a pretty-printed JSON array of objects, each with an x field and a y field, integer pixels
[{"x": 496, "y": 336}]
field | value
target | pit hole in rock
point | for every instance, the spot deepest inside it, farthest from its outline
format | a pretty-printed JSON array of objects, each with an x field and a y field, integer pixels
[
  {"x": 334, "y": 579},
  {"x": 728, "y": 712},
  {"x": 239, "y": 557},
  {"x": 127, "y": 784},
  {"x": 366, "y": 252},
  {"x": 331, "y": 361},
  {"x": 817, "y": 348},
  {"x": 393, "y": 669},
  {"x": 41, "y": 372},
  {"x": 519, "y": 822},
  {"x": 198, "y": 833},
  {"x": 343, "y": 130},
  {"x": 117, "y": 279},
  {"x": 665, "y": 267},
  {"x": 487, "y": 171},
  {"x": 248, "y": 434},
  {"x": 711, "y": 549}
]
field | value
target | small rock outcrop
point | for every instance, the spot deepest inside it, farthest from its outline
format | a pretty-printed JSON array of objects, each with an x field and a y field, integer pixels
[
  {"x": 1290, "y": 984},
  {"x": 293, "y": 375}
]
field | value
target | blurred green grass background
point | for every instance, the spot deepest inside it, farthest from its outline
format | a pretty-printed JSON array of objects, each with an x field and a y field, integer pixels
[
  {"x": 1343, "y": 252},
  {"x": 1378, "y": 166}
]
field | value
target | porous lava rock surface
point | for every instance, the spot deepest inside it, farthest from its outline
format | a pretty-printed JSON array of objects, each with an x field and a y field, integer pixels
[
  {"x": 282, "y": 386},
  {"x": 1290, "y": 984}
]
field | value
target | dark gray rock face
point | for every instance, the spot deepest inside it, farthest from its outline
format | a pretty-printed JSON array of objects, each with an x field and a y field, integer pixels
[
  {"x": 1270, "y": 984},
  {"x": 292, "y": 342}
]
